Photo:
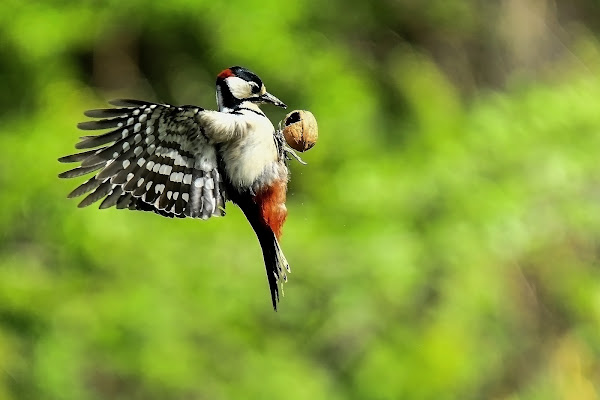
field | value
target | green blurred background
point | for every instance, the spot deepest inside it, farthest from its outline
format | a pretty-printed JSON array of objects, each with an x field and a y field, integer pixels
[{"x": 444, "y": 237}]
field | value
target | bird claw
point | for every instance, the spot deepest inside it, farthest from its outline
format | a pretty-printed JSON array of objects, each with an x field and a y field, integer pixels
[{"x": 290, "y": 152}]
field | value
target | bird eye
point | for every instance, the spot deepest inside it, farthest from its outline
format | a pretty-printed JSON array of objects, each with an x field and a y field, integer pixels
[{"x": 255, "y": 88}]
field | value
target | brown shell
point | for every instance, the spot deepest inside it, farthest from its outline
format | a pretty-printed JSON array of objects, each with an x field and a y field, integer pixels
[{"x": 300, "y": 130}]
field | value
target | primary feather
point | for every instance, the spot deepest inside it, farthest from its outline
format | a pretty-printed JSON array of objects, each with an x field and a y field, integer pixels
[{"x": 155, "y": 158}]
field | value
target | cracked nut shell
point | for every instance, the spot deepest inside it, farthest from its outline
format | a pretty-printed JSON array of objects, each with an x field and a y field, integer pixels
[{"x": 300, "y": 130}]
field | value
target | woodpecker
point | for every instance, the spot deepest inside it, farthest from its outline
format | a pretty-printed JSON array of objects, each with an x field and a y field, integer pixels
[{"x": 185, "y": 161}]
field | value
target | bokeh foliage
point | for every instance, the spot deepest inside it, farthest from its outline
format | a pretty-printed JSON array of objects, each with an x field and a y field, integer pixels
[{"x": 444, "y": 237}]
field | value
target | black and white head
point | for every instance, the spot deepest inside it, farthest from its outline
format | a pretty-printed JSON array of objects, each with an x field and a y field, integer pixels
[{"x": 236, "y": 85}]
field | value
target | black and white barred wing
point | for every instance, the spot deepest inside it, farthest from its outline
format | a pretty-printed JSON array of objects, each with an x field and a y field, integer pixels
[{"x": 155, "y": 158}]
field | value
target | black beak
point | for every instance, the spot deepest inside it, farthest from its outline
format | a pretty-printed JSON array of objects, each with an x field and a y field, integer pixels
[{"x": 269, "y": 98}]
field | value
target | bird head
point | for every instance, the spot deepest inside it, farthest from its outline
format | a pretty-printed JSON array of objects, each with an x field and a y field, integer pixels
[{"x": 237, "y": 85}]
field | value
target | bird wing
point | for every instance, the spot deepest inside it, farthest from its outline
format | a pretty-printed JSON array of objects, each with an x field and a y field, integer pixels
[{"x": 156, "y": 157}]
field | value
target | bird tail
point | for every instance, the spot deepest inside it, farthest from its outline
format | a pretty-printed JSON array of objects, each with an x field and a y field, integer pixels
[{"x": 276, "y": 264}]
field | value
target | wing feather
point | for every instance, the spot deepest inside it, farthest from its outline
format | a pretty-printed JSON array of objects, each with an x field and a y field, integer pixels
[
  {"x": 79, "y": 171},
  {"x": 85, "y": 187},
  {"x": 112, "y": 198},
  {"x": 155, "y": 157},
  {"x": 107, "y": 113},
  {"x": 77, "y": 157},
  {"x": 97, "y": 194}
]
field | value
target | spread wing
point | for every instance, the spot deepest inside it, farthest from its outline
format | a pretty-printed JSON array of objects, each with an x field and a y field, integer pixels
[{"x": 154, "y": 158}]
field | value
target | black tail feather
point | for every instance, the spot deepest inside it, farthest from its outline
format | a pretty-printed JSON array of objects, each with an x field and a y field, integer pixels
[
  {"x": 269, "y": 247},
  {"x": 275, "y": 262}
]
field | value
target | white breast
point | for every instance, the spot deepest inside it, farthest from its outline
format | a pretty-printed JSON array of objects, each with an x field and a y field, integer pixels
[{"x": 251, "y": 158}]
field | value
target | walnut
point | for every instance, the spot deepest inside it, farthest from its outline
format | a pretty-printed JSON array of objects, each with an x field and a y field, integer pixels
[{"x": 300, "y": 130}]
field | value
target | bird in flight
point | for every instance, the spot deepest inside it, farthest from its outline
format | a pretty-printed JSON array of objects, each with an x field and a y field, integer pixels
[{"x": 185, "y": 161}]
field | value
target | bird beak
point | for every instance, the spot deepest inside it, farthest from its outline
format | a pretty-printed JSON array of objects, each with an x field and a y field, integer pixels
[{"x": 269, "y": 98}]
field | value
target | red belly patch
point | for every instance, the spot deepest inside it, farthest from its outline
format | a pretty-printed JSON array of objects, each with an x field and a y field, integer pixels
[{"x": 271, "y": 201}]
